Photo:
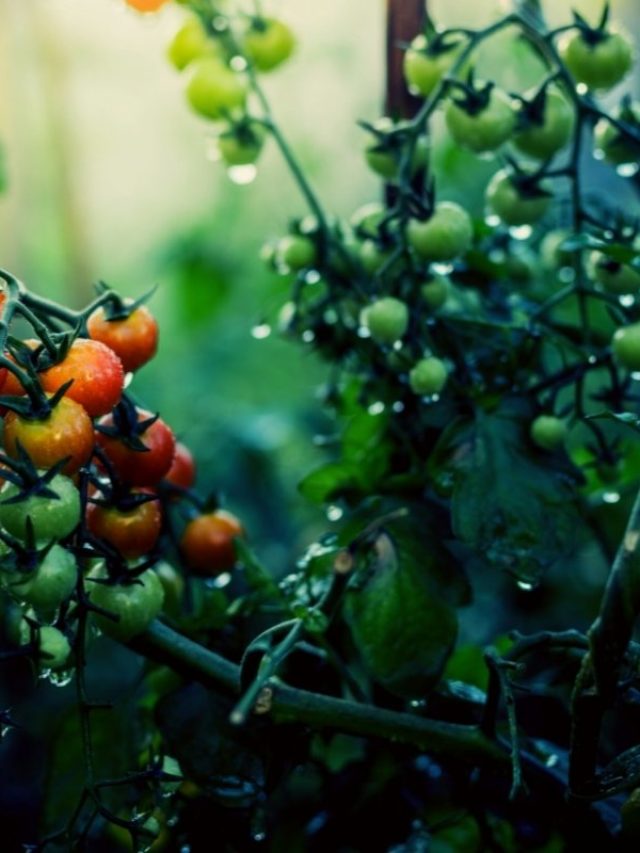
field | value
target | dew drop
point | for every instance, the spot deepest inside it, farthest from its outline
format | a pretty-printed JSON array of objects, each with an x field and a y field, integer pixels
[
  {"x": 526, "y": 586},
  {"x": 551, "y": 761},
  {"x": 398, "y": 406},
  {"x": 4, "y": 731},
  {"x": 238, "y": 63},
  {"x": 397, "y": 346},
  {"x": 635, "y": 375},
  {"x": 627, "y": 300},
  {"x": 566, "y": 275},
  {"x": 611, "y": 497},
  {"x": 376, "y": 408},
  {"x": 598, "y": 154},
  {"x": 592, "y": 359},
  {"x": 261, "y": 331},
  {"x": 492, "y": 220},
  {"x": 334, "y": 513},
  {"x": 308, "y": 336},
  {"x": 628, "y": 170},
  {"x": 363, "y": 332},
  {"x": 521, "y": 232},
  {"x": 582, "y": 89},
  {"x": 432, "y": 398},
  {"x": 442, "y": 269},
  {"x": 242, "y": 175},
  {"x": 219, "y": 23},
  {"x": 218, "y": 582},
  {"x": 312, "y": 277},
  {"x": 60, "y": 677},
  {"x": 259, "y": 836}
]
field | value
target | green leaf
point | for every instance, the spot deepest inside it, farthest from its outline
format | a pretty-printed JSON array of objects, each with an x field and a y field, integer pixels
[
  {"x": 514, "y": 505},
  {"x": 329, "y": 482},
  {"x": 626, "y": 418}
]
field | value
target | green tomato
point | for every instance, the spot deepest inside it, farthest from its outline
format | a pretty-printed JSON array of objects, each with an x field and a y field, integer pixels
[
  {"x": 428, "y": 376},
  {"x": 599, "y": 61},
  {"x": 626, "y": 346},
  {"x": 614, "y": 277},
  {"x": 52, "y": 583},
  {"x": 552, "y": 254},
  {"x": 366, "y": 219},
  {"x": 241, "y": 146},
  {"x": 484, "y": 129},
  {"x": 435, "y": 292},
  {"x": 54, "y": 647},
  {"x": 444, "y": 236},
  {"x": 387, "y": 319},
  {"x": 542, "y": 139},
  {"x": 136, "y": 604},
  {"x": 424, "y": 69},
  {"x": 372, "y": 256},
  {"x": 189, "y": 43},
  {"x": 295, "y": 252},
  {"x": 514, "y": 206},
  {"x": 548, "y": 432},
  {"x": 268, "y": 43},
  {"x": 51, "y": 518},
  {"x": 384, "y": 156},
  {"x": 616, "y": 148},
  {"x": 214, "y": 89}
]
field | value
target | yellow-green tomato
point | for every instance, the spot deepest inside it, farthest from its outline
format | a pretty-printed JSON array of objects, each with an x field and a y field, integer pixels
[
  {"x": 52, "y": 582},
  {"x": 626, "y": 346},
  {"x": 435, "y": 292},
  {"x": 513, "y": 202},
  {"x": 552, "y": 253},
  {"x": 373, "y": 256},
  {"x": 387, "y": 319},
  {"x": 600, "y": 60},
  {"x": 295, "y": 252},
  {"x": 268, "y": 43},
  {"x": 485, "y": 128},
  {"x": 241, "y": 146},
  {"x": 548, "y": 432},
  {"x": 614, "y": 277},
  {"x": 444, "y": 236},
  {"x": 428, "y": 376},
  {"x": 214, "y": 89},
  {"x": 384, "y": 156},
  {"x": 617, "y": 148},
  {"x": 136, "y": 604},
  {"x": 53, "y": 646},
  {"x": 366, "y": 220},
  {"x": 549, "y": 132},
  {"x": 189, "y": 43},
  {"x": 424, "y": 68}
]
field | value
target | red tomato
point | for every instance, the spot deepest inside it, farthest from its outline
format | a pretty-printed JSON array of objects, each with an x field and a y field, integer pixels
[
  {"x": 97, "y": 374},
  {"x": 134, "y": 339},
  {"x": 183, "y": 469},
  {"x": 66, "y": 431},
  {"x": 11, "y": 385},
  {"x": 146, "y": 5},
  {"x": 132, "y": 532},
  {"x": 140, "y": 467},
  {"x": 207, "y": 543}
]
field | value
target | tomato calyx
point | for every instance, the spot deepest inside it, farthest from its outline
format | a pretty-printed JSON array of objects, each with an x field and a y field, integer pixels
[
  {"x": 30, "y": 481},
  {"x": 527, "y": 184},
  {"x": 126, "y": 426},
  {"x": 532, "y": 112},
  {"x": 437, "y": 42},
  {"x": 117, "y": 308},
  {"x": 475, "y": 96},
  {"x": 593, "y": 35}
]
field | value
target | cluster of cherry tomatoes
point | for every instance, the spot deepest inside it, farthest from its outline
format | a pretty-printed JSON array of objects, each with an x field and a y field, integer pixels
[{"x": 90, "y": 481}]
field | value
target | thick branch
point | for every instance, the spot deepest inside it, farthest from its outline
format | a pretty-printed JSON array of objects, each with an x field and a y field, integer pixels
[{"x": 289, "y": 704}]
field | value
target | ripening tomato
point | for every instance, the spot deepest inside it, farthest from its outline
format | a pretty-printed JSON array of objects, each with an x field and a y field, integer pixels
[
  {"x": 132, "y": 532},
  {"x": 134, "y": 339},
  {"x": 139, "y": 467},
  {"x": 52, "y": 582},
  {"x": 183, "y": 469},
  {"x": 97, "y": 374},
  {"x": 67, "y": 431},
  {"x": 136, "y": 604},
  {"x": 11, "y": 386},
  {"x": 146, "y": 5},
  {"x": 51, "y": 518},
  {"x": 268, "y": 43},
  {"x": 207, "y": 543}
]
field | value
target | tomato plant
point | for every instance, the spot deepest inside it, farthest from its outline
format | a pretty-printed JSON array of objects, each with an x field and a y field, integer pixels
[
  {"x": 207, "y": 542},
  {"x": 133, "y": 337},
  {"x": 131, "y": 530},
  {"x": 139, "y": 446}
]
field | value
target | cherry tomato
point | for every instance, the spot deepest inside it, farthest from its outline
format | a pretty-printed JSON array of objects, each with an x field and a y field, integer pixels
[
  {"x": 626, "y": 346},
  {"x": 66, "y": 431},
  {"x": 548, "y": 432},
  {"x": 444, "y": 236},
  {"x": 548, "y": 132},
  {"x": 385, "y": 153},
  {"x": 189, "y": 43},
  {"x": 146, "y": 5},
  {"x": 483, "y": 129},
  {"x": 207, "y": 543},
  {"x": 387, "y": 319},
  {"x": 53, "y": 646},
  {"x": 11, "y": 385},
  {"x": 97, "y": 374},
  {"x": 615, "y": 147},
  {"x": 132, "y": 532},
  {"x": 295, "y": 252},
  {"x": 134, "y": 339},
  {"x": 140, "y": 467},
  {"x": 136, "y": 604},
  {"x": 598, "y": 59},
  {"x": 51, "y": 518},
  {"x": 614, "y": 276},
  {"x": 513, "y": 201},
  {"x": 52, "y": 583},
  {"x": 268, "y": 43},
  {"x": 240, "y": 146},
  {"x": 428, "y": 376},
  {"x": 215, "y": 89},
  {"x": 425, "y": 67},
  {"x": 183, "y": 469}
]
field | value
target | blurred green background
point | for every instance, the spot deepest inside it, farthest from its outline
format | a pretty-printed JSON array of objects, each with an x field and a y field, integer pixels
[{"x": 109, "y": 179}]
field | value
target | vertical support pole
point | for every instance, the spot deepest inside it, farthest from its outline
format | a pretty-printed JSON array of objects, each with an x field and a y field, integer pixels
[{"x": 404, "y": 21}]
